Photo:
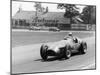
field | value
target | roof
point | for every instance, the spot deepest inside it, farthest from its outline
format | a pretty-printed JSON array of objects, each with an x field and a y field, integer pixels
[
  {"x": 24, "y": 15},
  {"x": 29, "y": 15}
]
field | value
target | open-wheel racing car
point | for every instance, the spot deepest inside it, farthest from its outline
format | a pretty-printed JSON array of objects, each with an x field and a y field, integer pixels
[{"x": 63, "y": 48}]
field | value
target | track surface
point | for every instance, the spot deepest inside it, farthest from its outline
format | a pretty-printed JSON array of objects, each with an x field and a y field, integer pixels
[{"x": 26, "y": 58}]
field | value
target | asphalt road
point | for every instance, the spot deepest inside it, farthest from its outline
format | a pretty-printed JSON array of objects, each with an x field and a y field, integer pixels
[{"x": 26, "y": 55}]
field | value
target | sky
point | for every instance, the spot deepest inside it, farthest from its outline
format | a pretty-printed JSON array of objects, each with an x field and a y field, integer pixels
[{"x": 28, "y": 6}]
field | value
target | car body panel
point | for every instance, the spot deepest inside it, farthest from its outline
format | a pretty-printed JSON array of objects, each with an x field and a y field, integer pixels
[{"x": 55, "y": 46}]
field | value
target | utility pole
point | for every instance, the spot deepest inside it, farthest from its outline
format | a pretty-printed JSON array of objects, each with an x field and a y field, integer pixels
[
  {"x": 38, "y": 9},
  {"x": 36, "y": 16},
  {"x": 37, "y": 6}
]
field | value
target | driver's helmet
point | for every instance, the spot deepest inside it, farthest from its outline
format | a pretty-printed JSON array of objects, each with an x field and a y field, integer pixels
[{"x": 69, "y": 34}]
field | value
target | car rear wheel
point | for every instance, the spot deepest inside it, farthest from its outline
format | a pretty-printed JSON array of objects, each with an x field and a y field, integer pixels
[
  {"x": 43, "y": 52},
  {"x": 83, "y": 48}
]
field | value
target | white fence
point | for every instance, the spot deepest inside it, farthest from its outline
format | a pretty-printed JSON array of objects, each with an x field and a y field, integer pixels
[{"x": 83, "y": 27}]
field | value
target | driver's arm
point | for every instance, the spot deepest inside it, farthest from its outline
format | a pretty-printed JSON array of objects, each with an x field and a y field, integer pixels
[{"x": 66, "y": 37}]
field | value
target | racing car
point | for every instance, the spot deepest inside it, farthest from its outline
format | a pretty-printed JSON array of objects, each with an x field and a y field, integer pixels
[{"x": 63, "y": 48}]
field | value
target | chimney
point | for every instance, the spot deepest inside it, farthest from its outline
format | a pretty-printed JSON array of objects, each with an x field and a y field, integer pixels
[{"x": 20, "y": 9}]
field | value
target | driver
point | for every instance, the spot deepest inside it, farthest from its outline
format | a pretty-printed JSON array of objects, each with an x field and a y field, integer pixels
[
  {"x": 74, "y": 38},
  {"x": 69, "y": 36}
]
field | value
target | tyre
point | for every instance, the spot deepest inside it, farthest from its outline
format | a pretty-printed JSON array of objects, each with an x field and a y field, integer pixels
[
  {"x": 83, "y": 48},
  {"x": 67, "y": 53},
  {"x": 43, "y": 52}
]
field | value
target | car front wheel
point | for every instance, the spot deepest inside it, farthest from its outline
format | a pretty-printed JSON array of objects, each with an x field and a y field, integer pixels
[
  {"x": 43, "y": 52},
  {"x": 67, "y": 53}
]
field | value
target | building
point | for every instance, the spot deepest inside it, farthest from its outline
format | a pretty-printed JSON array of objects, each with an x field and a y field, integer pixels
[{"x": 49, "y": 19}]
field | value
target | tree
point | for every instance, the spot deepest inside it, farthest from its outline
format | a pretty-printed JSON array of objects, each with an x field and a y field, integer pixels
[
  {"x": 41, "y": 9},
  {"x": 88, "y": 15},
  {"x": 70, "y": 10}
]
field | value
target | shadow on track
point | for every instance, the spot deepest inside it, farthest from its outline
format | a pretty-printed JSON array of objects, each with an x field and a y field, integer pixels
[
  {"x": 48, "y": 60},
  {"x": 56, "y": 58}
]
